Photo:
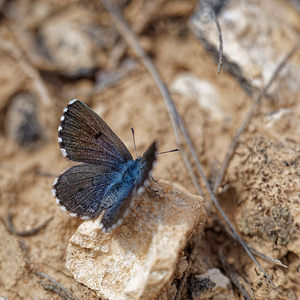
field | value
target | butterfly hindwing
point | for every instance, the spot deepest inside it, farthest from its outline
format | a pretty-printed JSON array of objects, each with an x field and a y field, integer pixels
[
  {"x": 122, "y": 195},
  {"x": 80, "y": 189},
  {"x": 85, "y": 137}
]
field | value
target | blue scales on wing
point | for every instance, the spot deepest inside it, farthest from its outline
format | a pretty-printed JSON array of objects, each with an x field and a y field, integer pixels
[
  {"x": 80, "y": 189},
  {"x": 135, "y": 177}
]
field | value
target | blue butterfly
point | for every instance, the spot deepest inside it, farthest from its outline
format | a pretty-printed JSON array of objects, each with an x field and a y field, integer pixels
[{"x": 109, "y": 178}]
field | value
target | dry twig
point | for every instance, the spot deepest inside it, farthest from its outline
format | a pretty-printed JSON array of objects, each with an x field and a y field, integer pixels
[
  {"x": 48, "y": 282},
  {"x": 207, "y": 7},
  {"x": 233, "y": 276},
  {"x": 257, "y": 253},
  {"x": 177, "y": 122},
  {"x": 183, "y": 280},
  {"x": 220, "y": 62},
  {"x": 51, "y": 284},
  {"x": 268, "y": 258},
  {"x": 143, "y": 19},
  {"x": 11, "y": 228}
]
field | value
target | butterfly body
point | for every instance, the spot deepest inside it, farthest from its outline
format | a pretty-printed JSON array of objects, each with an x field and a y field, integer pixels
[{"x": 109, "y": 179}]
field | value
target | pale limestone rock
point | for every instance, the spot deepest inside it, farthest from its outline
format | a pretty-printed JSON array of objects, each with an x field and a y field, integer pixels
[
  {"x": 75, "y": 41},
  {"x": 206, "y": 95},
  {"x": 138, "y": 258},
  {"x": 256, "y": 38},
  {"x": 210, "y": 284}
]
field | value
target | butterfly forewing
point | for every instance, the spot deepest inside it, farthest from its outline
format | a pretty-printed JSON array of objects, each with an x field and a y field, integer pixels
[{"x": 85, "y": 137}]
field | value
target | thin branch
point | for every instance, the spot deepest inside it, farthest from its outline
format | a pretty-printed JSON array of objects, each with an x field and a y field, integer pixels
[
  {"x": 206, "y": 7},
  {"x": 233, "y": 276},
  {"x": 257, "y": 253},
  {"x": 220, "y": 62},
  {"x": 176, "y": 120},
  {"x": 268, "y": 258},
  {"x": 48, "y": 282},
  {"x": 11, "y": 228},
  {"x": 250, "y": 115},
  {"x": 190, "y": 170},
  {"x": 51, "y": 284},
  {"x": 26, "y": 258},
  {"x": 143, "y": 19},
  {"x": 183, "y": 281}
]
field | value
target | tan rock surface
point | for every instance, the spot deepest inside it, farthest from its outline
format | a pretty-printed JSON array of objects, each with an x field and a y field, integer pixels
[
  {"x": 266, "y": 179},
  {"x": 211, "y": 284},
  {"x": 26, "y": 176},
  {"x": 268, "y": 185},
  {"x": 11, "y": 267},
  {"x": 138, "y": 258}
]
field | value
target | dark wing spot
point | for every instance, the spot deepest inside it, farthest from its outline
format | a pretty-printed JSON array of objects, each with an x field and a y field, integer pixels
[{"x": 98, "y": 135}]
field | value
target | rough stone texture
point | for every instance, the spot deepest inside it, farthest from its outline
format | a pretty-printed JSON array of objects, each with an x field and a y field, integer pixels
[
  {"x": 9, "y": 81},
  {"x": 256, "y": 37},
  {"x": 268, "y": 187},
  {"x": 26, "y": 177},
  {"x": 265, "y": 176},
  {"x": 209, "y": 284},
  {"x": 74, "y": 40},
  {"x": 22, "y": 120},
  {"x": 206, "y": 95},
  {"x": 139, "y": 257},
  {"x": 11, "y": 267}
]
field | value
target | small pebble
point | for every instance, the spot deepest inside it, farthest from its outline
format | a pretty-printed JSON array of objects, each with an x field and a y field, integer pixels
[{"x": 22, "y": 122}]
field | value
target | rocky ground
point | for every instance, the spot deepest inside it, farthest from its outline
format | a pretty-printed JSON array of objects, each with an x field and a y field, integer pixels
[{"x": 54, "y": 51}]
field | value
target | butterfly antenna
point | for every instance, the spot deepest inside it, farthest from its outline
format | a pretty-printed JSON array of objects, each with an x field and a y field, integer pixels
[
  {"x": 173, "y": 150},
  {"x": 132, "y": 131}
]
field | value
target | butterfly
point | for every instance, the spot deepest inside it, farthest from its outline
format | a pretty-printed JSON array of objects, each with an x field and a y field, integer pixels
[{"x": 108, "y": 178}]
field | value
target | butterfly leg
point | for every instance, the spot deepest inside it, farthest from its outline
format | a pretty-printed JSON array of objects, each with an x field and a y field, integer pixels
[
  {"x": 153, "y": 179},
  {"x": 151, "y": 185}
]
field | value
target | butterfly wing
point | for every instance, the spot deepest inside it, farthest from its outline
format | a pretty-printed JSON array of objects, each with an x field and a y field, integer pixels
[
  {"x": 80, "y": 189},
  {"x": 85, "y": 137},
  {"x": 123, "y": 194},
  {"x": 147, "y": 163}
]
